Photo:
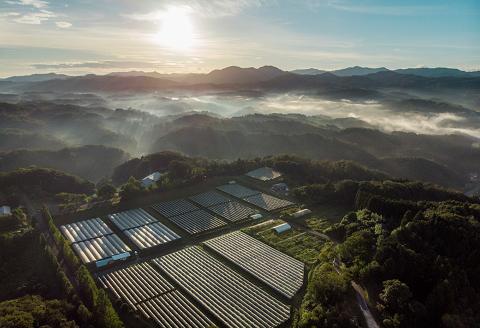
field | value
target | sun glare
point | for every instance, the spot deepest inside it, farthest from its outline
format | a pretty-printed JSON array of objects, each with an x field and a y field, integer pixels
[{"x": 176, "y": 30}]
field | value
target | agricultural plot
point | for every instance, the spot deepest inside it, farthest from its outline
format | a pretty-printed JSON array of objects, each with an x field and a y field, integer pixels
[
  {"x": 237, "y": 190},
  {"x": 100, "y": 248},
  {"x": 267, "y": 202},
  {"x": 209, "y": 198},
  {"x": 84, "y": 230},
  {"x": 151, "y": 235},
  {"x": 136, "y": 283},
  {"x": 299, "y": 244},
  {"x": 233, "y": 211},
  {"x": 147, "y": 291},
  {"x": 174, "y": 207},
  {"x": 276, "y": 269},
  {"x": 174, "y": 310},
  {"x": 226, "y": 294},
  {"x": 198, "y": 221},
  {"x": 131, "y": 218}
]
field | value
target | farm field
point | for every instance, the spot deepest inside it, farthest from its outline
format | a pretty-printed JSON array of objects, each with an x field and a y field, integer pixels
[
  {"x": 267, "y": 202},
  {"x": 131, "y": 218},
  {"x": 237, "y": 190},
  {"x": 233, "y": 211},
  {"x": 295, "y": 242},
  {"x": 197, "y": 221},
  {"x": 100, "y": 248},
  {"x": 209, "y": 198},
  {"x": 86, "y": 229},
  {"x": 151, "y": 235},
  {"x": 230, "y": 297},
  {"x": 276, "y": 269},
  {"x": 147, "y": 291},
  {"x": 174, "y": 207}
]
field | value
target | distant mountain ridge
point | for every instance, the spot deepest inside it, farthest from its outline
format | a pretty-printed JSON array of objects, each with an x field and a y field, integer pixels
[
  {"x": 421, "y": 71},
  {"x": 239, "y": 75}
]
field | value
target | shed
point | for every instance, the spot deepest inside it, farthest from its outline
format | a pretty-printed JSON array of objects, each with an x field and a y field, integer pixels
[
  {"x": 151, "y": 179},
  {"x": 282, "y": 228},
  {"x": 301, "y": 213},
  {"x": 5, "y": 210},
  {"x": 264, "y": 174},
  {"x": 257, "y": 216}
]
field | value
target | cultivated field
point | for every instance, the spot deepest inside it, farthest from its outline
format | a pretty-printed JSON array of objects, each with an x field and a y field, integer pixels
[
  {"x": 100, "y": 248},
  {"x": 87, "y": 229},
  {"x": 233, "y": 299},
  {"x": 276, "y": 269},
  {"x": 145, "y": 290}
]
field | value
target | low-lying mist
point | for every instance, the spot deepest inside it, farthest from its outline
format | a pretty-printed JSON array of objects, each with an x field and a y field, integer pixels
[{"x": 385, "y": 116}]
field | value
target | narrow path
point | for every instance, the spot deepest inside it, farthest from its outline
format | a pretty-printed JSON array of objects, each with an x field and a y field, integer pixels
[{"x": 361, "y": 301}]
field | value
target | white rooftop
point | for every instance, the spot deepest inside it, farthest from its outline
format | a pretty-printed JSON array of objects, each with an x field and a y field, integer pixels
[
  {"x": 264, "y": 174},
  {"x": 150, "y": 179},
  {"x": 5, "y": 210}
]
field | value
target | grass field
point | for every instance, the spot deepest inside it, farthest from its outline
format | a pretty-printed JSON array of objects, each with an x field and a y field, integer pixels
[{"x": 297, "y": 243}]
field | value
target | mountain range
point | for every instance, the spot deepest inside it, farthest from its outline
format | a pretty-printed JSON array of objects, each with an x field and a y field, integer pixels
[
  {"x": 267, "y": 78},
  {"x": 235, "y": 74}
]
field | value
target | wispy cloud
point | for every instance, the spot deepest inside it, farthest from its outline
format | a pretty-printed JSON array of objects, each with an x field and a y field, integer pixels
[
  {"x": 391, "y": 10},
  {"x": 35, "y": 18},
  {"x": 205, "y": 8},
  {"x": 107, "y": 64},
  {"x": 34, "y": 3},
  {"x": 10, "y": 14},
  {"x": 63, "y": 24}
]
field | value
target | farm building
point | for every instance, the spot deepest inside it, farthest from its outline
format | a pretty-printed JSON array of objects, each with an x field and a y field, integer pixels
[
  {"x": 300, "y": 213},
  {"x": 5, "y": 210},
  {"x": 281, "y": 188},
  {"x": 151, "y": 179},
  {"x": 264, "y": 174},
  {"x": 282, "y": 228}
]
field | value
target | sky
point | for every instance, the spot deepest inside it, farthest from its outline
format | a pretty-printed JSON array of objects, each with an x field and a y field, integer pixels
[{"x": 101, "y": 36}]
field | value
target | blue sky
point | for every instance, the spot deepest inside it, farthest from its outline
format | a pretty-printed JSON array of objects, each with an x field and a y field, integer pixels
[{"x": 100, "y": 36}]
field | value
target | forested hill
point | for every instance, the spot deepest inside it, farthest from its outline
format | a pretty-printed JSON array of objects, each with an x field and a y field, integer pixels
[
  {"x": 89, "y": 162},
  {"x": 413, "y": 246}
]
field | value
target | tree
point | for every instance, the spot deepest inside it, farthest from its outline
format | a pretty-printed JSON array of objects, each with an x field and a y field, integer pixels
[
  {"x": 180, "y": 169},
  {"x": 106, "y": 316},
  {"x": 395, "y": 295},
  {"x": 106, "y": 191},
  {"x": 131, "y": 189}
]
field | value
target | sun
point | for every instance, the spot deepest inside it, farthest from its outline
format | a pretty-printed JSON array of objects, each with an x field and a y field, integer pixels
[{"x": 176, "y": 30}]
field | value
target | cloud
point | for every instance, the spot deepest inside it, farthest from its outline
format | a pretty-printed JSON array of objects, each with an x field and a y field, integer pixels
[
  {"x": 205, "y": 8},
  {"x": 35, "y": 18},
  {"x": 34, "y": 3},
  {"x": 101, "y": 64},
  {"x": 10, "y": 14},
  {"x": 63, "y": 24},
  {"x": 392, "y": 10}
]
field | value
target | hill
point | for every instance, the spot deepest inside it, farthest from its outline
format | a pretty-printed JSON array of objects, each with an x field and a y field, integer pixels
[{"x": 89, "y": 162}]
